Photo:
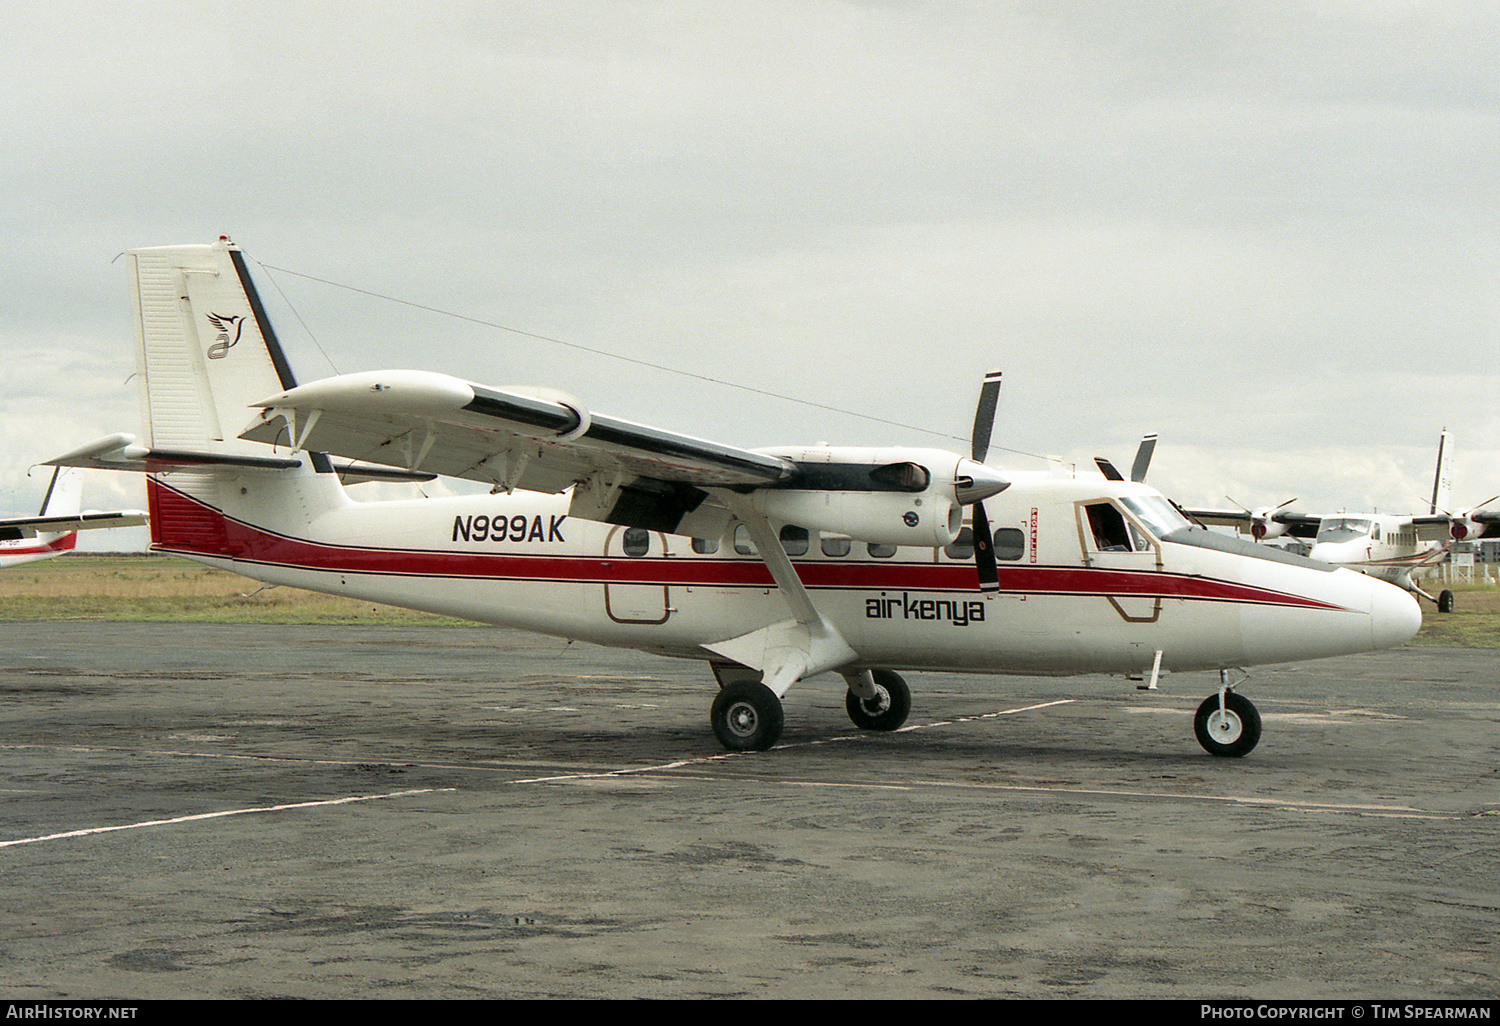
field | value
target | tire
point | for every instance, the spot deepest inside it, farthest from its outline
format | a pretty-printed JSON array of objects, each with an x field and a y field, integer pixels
[
  {"x": 1445, "y": 601},
  {"x": 1230, "y": 733},
  {"x": 887, "y": 710},
  {"x": 747, "y": 717}
]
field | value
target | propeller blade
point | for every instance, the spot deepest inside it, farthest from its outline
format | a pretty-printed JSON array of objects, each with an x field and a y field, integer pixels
[
  {"x": 1143, "y": 459},
  {"x": 984, "y": 426},
  {"x": 984, "y": 551},
  {"x": 1107, "y": 469},
  {"x": 984, "y": 415}
]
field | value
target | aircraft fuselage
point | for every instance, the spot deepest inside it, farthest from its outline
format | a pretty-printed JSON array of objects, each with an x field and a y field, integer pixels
[{"x": 1082, "y": 589}]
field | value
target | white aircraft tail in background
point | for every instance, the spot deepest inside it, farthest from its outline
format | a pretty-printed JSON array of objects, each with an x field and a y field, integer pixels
[
  {"x": 55, "y": 529},
  {"x": 771, "y": 565}
]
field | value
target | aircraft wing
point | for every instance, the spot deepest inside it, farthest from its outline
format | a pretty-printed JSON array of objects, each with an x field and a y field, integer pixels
[
  {"x": 1439, "y": 526},
  {"x": 537, "y": 441},
  {"x": 12, "y": 528},
  {"x": 1298, "y": 525}
]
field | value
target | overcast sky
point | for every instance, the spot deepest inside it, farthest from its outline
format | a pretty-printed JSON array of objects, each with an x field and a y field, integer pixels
[{"x": 1268, "y": 231}]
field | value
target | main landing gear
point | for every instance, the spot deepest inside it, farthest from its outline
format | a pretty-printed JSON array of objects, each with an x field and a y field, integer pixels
[
  {"x": 1444, "y": 599},
  {"x": 747, "y": 716},
  {"x": 1227, "y": 723}
]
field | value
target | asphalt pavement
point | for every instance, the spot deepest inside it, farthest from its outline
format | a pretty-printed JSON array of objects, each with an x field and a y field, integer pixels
[{"x": 193, "y": 811}]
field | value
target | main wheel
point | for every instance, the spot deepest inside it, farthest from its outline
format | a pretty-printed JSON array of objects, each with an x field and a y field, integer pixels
[
  {"x": 1232, "y": 731},
  {"x": 887, "y": 710},
  {"x": 1445, "y": 601},
  {"x": 747, "y": 717}
]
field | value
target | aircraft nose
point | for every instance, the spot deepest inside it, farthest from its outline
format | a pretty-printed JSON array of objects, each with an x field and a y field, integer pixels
[{"x": 1395, "y": 616}]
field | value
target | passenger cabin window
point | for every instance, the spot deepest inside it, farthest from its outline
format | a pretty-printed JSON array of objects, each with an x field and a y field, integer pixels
[
  {"x": 1010, "y": 543},
  {"x": 962, "y": 547},
  {"x": 705, "y": 546},
  {"x": 836, "y": 545},
  {"x": 880, "y": 551},
  {"x": 742, "y": 543},
  {"x": 636, "y": 541},
  {"x": 794, "y": 540}
]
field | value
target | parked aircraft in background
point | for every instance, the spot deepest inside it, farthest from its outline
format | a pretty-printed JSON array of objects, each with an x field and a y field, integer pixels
[
  {"x": 772, "y": 565},
  {"x": 55, "y": 529},
  {"x": 1388, "y": 546}
]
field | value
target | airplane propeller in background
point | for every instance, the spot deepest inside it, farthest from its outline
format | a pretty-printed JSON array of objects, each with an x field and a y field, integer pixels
[
  {"x": 1263, "y": 523},
  {"x": 1137, "y": 469}
]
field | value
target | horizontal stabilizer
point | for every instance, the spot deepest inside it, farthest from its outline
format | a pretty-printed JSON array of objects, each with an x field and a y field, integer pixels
[
  {"x": 119, "y": 452},
  {"x": 12, "y": 528}
]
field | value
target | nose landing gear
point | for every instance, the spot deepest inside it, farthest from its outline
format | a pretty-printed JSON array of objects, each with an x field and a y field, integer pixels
[{"x": 1227, "y": 723}]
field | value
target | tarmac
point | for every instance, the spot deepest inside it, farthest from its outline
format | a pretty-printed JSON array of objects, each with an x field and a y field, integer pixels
[{"x": 192, "y": 811}]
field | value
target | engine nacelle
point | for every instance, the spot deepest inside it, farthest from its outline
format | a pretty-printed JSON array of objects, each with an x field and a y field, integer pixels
[
  {"x": 1263, "y": 527},
  {"x": 885, "y": 518}
]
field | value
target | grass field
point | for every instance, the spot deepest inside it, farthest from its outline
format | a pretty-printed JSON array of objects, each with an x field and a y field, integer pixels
[
  {"x": 161, "y": 588},
  {"x": 165, "y": 588}
]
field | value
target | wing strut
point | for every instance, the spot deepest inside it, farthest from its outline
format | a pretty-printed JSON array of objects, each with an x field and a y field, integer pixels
[{"x": 804, "y": 645}]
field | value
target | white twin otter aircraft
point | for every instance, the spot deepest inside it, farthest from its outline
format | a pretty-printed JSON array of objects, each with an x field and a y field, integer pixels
[
  {"x": 772, "y": 565},
  {"x": 54, "y": 530}
]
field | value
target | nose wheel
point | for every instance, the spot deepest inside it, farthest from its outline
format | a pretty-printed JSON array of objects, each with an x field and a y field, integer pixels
[
  {"x": 1227, "y": 724},
  {"x": 887, "y": 709}
]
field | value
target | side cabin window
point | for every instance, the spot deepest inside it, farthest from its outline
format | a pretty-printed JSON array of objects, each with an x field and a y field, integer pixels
[
  {"x": 1010, "y": 544},
  {"x": 962, "y": 547},
  {"x": 636, "y": 541},
  {"x": 742, "y": 543},
  {"x": 705, "y": 546},
  {"x": 836, "y": 545},
  {"x": 794, "y": 540},
  {"x": 880, "y": 551}
]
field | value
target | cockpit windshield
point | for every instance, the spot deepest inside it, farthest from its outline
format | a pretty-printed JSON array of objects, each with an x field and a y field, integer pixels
[
  {"x": 1160, "y": 518},
  {"x": 1338, "y": 529}
]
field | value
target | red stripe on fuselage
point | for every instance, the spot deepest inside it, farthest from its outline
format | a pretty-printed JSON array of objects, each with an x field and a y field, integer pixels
[
  {"x": 182, "y": 524},
  {"x": 66, "y": 543}
]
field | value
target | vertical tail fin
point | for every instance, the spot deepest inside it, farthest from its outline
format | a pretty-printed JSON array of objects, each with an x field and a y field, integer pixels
[
  {"x": 205, "y": 352},
  {"x": 64, "y": 496},
  {"x": 1442, "y": 481},
  {"x": 205, "y": 349}
]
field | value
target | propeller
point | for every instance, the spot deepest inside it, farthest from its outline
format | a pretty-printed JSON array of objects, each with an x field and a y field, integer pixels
[
  {"x": 1262, "y": 517},
  {"x": 1143, "y": 459},
  {"x": 1137, "y": 469},
  {"x": 984, "y": 426}
]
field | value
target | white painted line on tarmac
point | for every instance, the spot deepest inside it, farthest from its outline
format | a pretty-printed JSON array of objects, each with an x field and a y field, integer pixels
[
  {"x": 701, "y": 760},
  {"x": 218, "y": 815}
]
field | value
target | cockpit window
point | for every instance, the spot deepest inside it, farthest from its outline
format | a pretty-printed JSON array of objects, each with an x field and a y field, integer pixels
[
  {"x": 1159, "y": 515},
  {"x": 1338, "y": 529},
  {"x": 1108, "y": 526},
  {"x": 1113, "y": 531}
]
